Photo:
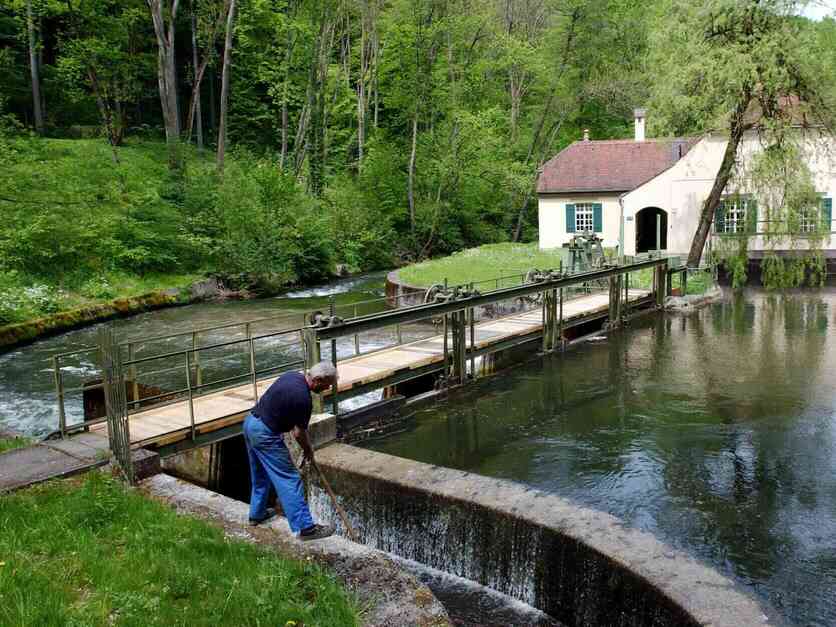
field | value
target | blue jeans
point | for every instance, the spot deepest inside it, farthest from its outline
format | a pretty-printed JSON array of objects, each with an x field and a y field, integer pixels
[{"x": 270, "y": 462}]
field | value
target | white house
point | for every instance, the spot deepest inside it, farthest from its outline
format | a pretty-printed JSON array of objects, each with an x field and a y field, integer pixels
[{"x": 631, "y": 192}]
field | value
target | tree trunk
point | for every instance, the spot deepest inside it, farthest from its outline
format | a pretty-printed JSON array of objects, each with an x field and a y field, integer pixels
[
  {"x": 166, "y": 76},
  {"x": 737, "y": 129},
  {"x": 106, "y": 113},
  {"x": 198, "y": 75},
  {"x": 411, "y": 177},
  {"x": 230, "y": 20},
  {"x": 213, "y": 106},
  {"x": 34, "y": 70}
]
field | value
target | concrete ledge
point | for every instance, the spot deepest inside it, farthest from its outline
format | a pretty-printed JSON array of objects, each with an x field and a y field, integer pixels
[
  {"x": 389, "y": 595},
  {"x": 322, "y": 429},
  {"x": 582, "y": 567}
]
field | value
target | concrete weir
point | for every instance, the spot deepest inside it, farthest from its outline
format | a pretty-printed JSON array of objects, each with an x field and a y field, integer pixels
[{"x": 580, "y": 566}]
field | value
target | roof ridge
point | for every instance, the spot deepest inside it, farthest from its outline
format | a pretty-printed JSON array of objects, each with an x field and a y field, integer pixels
[{"x": 651, "y": 140}]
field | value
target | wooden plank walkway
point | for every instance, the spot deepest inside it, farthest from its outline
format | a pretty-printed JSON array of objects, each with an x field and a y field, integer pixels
[{"x": 167, "y": 424}]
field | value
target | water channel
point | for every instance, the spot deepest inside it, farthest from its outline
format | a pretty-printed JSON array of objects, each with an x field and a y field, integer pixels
[
  {"x": 27, "y": 389},
  {"x": 715, "y": 431}
]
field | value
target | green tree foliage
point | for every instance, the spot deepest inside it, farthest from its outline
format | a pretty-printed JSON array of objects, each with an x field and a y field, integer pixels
[
  {"x": 361, "y": 132},
  {"x": 737, "y": 66}
]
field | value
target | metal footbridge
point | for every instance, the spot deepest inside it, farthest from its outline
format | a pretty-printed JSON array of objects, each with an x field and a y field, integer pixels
[{"x": 184, "y": 390}]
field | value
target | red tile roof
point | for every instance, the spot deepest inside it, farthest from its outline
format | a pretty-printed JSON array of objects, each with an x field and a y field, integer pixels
[{"x": 610, "y": 166}]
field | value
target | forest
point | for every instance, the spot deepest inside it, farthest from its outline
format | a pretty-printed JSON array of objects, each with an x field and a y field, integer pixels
[{"x": 144, "y": 142}]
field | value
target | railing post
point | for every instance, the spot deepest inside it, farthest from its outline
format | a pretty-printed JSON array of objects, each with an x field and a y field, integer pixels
[
  {"x": 198, "y": 373},
  {"x": 560, "y": 321},
  {"x": 59, "y": 393},
  {"x": 399, "y": 334},
  {"x": 253, "y": 370},
  {"x": 132, "y": 375},
  {"x": 357, "y": 335},
  {"x": 312, "y": 357},
  {"x": 472, "y": 315},
  {"x": 335, "y": 401},
  {"x": 191, "y": 395}
]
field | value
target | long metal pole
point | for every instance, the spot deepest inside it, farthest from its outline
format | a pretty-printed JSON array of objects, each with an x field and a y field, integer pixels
[
  {"x": 59, "y": 392},
  {"x": 356, "y": 336},
  {"x": 191, "y": 397},
  {"x": 253, "y": 370},
  {"x": 471, "y": 316},
  {"x": 132, "y": 374},
  {"x": 560, "y": 327},
  {"x": 335, "y": 401},
  {"x": 198, "y": 373}
]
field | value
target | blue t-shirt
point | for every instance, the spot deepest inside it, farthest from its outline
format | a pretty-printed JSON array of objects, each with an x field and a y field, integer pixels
[{"x": 286, "y": 403}]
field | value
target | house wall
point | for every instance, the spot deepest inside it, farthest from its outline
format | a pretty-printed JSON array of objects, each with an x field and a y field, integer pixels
[
  {"x": 682, "y": 189},
  {"x": 552, "y": 217}
]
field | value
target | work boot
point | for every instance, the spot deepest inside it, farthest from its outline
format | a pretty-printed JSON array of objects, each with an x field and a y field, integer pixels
[
  {"x": 316, "y": 532},
  {"x": 268, "y": 514}
]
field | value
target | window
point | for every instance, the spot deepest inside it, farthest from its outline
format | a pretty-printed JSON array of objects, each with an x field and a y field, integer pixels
[
  {"x": 808, "y": 220},
  {"x": 584, "y": 217},
  {"x": 815, "y": 219},
  {"x": 734, "y": 215}
]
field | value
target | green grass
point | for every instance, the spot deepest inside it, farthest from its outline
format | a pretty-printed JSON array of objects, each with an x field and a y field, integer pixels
[
  {"x": 90, "y": 552},
  {"x": 7, "y": 444},
  {"x": 478, "y": 264},
  {"x": 493, "y": 260}
]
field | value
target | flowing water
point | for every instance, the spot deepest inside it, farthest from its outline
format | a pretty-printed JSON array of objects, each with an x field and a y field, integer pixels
[
  {"x": 715, "y": 431},
  {"x": 27, "y": 390}
]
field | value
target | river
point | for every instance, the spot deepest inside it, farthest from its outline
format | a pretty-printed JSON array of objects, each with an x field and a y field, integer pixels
[
  {"x": 715, "y": 431},
  {"x": 27, "y": 390}
]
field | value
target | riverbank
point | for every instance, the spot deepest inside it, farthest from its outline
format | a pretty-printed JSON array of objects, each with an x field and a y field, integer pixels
[
  {"x": 72, "y": 310},
  {"x": 116, "y": 557},
  {"x": 495, "y": 262}
]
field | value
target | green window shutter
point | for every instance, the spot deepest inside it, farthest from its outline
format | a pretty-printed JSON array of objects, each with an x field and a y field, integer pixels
[
  {"x": 751, "y": 216},
  {"x": 720, "y": 217},
  {"x": 597, "y": 218},
  {"x": 570, "y": 218},
  {"x": 827, "y": 214}
]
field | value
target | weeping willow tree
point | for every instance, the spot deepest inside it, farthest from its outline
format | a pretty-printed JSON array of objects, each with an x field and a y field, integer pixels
[
  {"x": 784, "y": 210},
  {"x": 734, "y": 66}
]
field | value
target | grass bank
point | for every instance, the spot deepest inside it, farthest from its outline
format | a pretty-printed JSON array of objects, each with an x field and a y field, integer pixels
[
  {"x": 8, "y": 444},
  {"x": 90, "y": 552},
  {"x": 495, "y": 260},
  {"x": 482, "y": 263}
]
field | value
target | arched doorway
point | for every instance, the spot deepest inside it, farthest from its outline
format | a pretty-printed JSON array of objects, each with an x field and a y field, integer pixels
[{"x": 648, "y": 221}]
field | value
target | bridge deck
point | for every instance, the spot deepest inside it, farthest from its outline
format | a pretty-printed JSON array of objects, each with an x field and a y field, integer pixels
[{"x": 170, "y": 423}]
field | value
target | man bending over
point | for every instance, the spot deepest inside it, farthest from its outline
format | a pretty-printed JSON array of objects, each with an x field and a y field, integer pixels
[{"x": 285, "y": 406}]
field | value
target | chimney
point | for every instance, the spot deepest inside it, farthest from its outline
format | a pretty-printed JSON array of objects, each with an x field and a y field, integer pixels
[
  {"x": 586, "y": 134},
  {"x": 639, "y": 116}
]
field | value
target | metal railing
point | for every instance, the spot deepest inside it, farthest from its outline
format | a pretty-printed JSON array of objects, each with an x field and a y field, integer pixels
[
  {"x": 191, "y": 363},
  {"x": 188, "y": 362}
]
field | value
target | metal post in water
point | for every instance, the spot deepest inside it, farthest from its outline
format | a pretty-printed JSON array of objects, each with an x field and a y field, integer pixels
[
  {"x": 59, "y": 393},
  {"x": 191, "y": 395},
  {"x": 560, "y": 323}
]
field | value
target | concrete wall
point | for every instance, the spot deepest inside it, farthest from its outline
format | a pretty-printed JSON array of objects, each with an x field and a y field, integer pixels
[
  {"x": 552, "y": 217},
  {"x": 580, "y": 566}
]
